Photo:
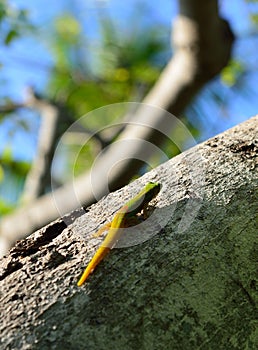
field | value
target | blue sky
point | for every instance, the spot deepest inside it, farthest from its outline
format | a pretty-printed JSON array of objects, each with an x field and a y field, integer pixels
[{"x": 27, "y": 62}]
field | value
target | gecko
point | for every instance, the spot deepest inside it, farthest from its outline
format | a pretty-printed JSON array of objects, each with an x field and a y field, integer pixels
[{"x": 121, "y": 220}]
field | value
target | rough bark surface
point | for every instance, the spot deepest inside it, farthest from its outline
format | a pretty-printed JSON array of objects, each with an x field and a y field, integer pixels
[{"x": 189, "y": 286}]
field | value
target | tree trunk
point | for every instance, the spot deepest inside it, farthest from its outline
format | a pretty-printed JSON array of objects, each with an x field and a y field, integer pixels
[{"x": 187, "y": 281}]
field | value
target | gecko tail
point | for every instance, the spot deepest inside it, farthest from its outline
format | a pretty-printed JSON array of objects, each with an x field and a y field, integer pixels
[{"x": 97, "y": 258}]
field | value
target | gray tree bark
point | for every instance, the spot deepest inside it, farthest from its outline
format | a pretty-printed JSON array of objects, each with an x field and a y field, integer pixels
[{"x": 188, "y": 283}]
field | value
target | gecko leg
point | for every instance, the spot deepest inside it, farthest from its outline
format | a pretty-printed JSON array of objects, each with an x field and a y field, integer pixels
[{"x": 102, "y": 230}]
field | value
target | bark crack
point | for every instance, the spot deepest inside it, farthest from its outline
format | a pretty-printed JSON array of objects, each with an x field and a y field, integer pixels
[{"x": 30, "y": 246}]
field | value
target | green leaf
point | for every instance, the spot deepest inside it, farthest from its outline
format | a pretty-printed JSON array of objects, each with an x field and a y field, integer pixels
[
  {"x": 254, "y": 18},
  {"x": 7, "y": 155},
  {"x": 5, "y": 208},
  {"x": 232, "y": 72},
  {"x": 68, "y": 28},
  {"x": 1, "y": 173},
  {"x": 11, "y": 35}
]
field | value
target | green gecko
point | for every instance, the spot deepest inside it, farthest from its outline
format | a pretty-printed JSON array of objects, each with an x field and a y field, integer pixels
[{"x": 121, "y": 220}]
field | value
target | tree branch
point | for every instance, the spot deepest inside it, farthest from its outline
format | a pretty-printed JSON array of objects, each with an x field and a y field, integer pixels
[
  {"x": 191, "y": 284},
  {"x": 55, "y": 120}
]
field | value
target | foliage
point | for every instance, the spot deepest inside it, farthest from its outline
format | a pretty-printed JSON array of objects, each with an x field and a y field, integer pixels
[
  {"x": 233, "y": 72},
  {"x": 5, "y": 207},
  {"x": 12, "y": 177},
  {"x": 13, "y": 22},
  {"x": 19, "y": 168},
  {"x": 85, "y": 76},
  {"x": 117, "y": 69},
  {"x": 120, "y": 67}
]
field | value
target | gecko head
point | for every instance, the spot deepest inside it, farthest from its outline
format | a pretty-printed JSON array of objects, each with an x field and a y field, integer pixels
[{"x": 154, "y": 188}]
